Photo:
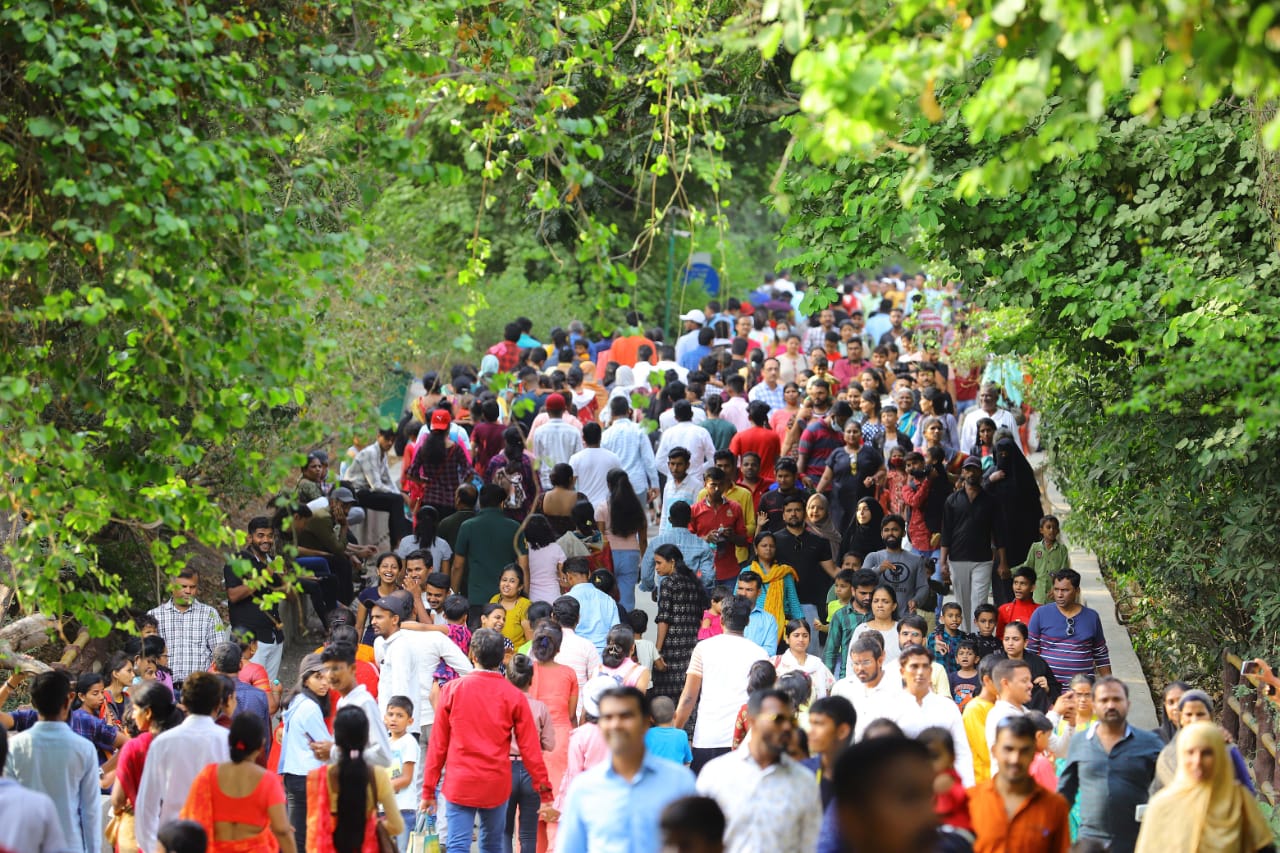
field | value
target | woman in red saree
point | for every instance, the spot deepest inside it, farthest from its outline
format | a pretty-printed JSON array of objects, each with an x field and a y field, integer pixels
[
  {"x": 343, "y": 798},
  {"x": 239, "y": 804}
]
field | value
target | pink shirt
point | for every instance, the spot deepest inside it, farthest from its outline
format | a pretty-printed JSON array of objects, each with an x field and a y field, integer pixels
[{"x": 587, "y": 748}]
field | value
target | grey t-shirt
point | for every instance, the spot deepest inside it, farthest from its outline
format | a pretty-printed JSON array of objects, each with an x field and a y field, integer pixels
[{"x": 907, "y": 577}]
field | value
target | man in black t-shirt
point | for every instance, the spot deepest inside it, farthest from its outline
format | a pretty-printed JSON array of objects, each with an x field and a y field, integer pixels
[
  {"x": 809, "y": 554},
  {"x": 244, "y": 606}
]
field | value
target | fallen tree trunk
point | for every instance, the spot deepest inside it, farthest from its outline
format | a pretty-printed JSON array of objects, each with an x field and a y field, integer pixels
[{"x": 27, "y": 633}]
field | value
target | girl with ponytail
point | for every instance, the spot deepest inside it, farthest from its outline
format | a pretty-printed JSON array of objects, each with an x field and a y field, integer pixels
[
  {"x": 556, "y": 686},
  {"x": 617, "y": 659},
  {"x": 343, "y": 797}
]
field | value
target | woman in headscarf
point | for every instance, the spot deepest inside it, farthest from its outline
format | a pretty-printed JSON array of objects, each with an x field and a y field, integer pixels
[
  {"x": 1195, "y": 706},
  {"x": 1012, "y": 483},
  {"x": 781, "y": 601},
  {"x": 817, "y": 512},
  {"x": 1204, "y": 810},
  {"x": 862, "y": 536}
]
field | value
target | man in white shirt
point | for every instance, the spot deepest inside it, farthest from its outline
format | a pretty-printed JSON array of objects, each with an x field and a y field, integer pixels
[
  {"x": 627, "y": 440},
  {"x": 340, "y": 668},
  {"x": 28, "y": 819},
  {"x": 592, "y": 465},
  {"x": 770, "y": 801},
  {"x": 680, "y": 487},
  {"x": 375, "y": 488},
  {"x": 988, "y": 396},
  {"x": 873, "y": 691},
  {"x": 734, "y": 408},
  {"x": 178, "y": 755},
  {"x": 555, "y": 441},
  {"x": 919, "y": 708},
  {"x": 1012, "y": 679},
  {"x": 407, "y": 660},
  {"x": 685, "y": 433},
  {"x": 50, "y": 762},
  {"x": 716, "y": 683}
]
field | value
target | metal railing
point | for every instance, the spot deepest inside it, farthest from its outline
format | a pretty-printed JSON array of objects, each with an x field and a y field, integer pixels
[{"x": 1248, "y": 714}]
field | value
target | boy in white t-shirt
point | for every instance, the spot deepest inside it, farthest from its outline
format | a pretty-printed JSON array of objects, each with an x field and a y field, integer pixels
[{"x": 404, "y": 758}]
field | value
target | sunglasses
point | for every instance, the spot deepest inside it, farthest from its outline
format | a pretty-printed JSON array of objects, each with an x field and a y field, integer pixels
[{"x": 1071, "y": 626}]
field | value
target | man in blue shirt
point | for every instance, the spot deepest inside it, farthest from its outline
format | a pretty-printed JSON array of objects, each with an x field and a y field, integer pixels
[
  {"x": 615, "y": 805},
  {"x": 598, "y": 611},
  {"x": 699, "y": 554},
  {"x": 763, "y": 628},
  {"x": 249, "y": 699}
]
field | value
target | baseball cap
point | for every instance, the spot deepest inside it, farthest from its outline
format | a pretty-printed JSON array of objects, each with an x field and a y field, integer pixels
[
  {"x": 972, "y": 462},
  {"x": 343, "y": 495},
  {"x": 555, "y": 403},
  {"x": 310, "y": 665},
  {"x": 695, "y": 316},
  {"x": 394, "y": 603},
  {"x": 593, "y": 689},
  {"x": 440, "y": 419}
]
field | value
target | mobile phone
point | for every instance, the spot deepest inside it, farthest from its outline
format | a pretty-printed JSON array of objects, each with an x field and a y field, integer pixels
[
  {"x": 1250, "y": 667},
  {"x": 1139, "y": 812},
  {"x": 309, "y": 738}
]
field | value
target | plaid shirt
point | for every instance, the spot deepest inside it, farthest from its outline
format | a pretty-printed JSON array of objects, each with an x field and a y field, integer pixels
[
  {"x": 99, "y": 733},
  {"x": 190, "y": 636},
  {"x": 773, "y": 396}
]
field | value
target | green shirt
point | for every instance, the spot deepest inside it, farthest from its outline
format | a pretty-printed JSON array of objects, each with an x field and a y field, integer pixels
[
  {"x": 1046, "y": 561},
  {"x": 722, "y": 432},
  {"x": 449, "y": 525},
  {"x": 487, "y": 541},
  {"x": 839, "y": 636}
]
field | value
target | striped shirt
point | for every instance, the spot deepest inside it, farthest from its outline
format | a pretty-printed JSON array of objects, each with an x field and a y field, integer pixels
[{"x": 1069, "y": 645}]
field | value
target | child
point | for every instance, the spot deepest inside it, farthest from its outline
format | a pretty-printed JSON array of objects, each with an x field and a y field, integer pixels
[
  {"x": 664, "y": 739},
  {"x": 538, "y": 611},
  {"x": 761, "y": 676},
  {"x": 711, "y": 618},
  {"x": 847, "y": 619},
  {"x": 975, "y": 720},
  {"x": 841, "y": 595},
  {"x": 965, "y": 683},
  {"x": 456, "y": 608},
  {"x": 1043, "y": 767},
  {"x": 798, "y": 745},
  {"x": 1047, "y": 556},
  {"x": 1021, "y": 608},
  {"x": 983, "y": 450},
  {"x": 890, "y": 495},
  {"x": 945, "y": 637},
  {"x": 404, "y": 757},
  {"x": 646, "y": 652},
  {"x": 986, "y": 640},
  {"x": 950, "y": 801}
]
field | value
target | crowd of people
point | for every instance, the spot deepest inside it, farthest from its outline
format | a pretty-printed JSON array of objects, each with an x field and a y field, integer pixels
[{"x": 783, "y": 583}]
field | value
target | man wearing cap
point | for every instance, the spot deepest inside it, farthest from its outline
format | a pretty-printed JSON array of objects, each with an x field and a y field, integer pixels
[
  {"x": 407, "y": 660},
  {"x": 555, "y": 441},
  {"x": 970, "y": 541},
  {"x": 375, "y": 488},
  {"x": 693, "y": 321},
  {"x": 700, "y": 350},
  {"x": 249, "y": 699},
  {"x": 324, "y": 534}
]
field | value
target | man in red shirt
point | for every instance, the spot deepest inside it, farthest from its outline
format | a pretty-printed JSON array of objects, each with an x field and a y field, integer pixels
[
  {"x": 507, "y": 351},
  {"x": 1022, "y": 606},
  {"x": 758, "y": 439},
  {"x": 476, "y": 719},
  {"x": 720, "y": 522}
]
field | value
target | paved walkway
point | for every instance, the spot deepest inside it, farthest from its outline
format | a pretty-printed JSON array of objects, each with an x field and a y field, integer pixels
[{"x": 1124, "y": 661}]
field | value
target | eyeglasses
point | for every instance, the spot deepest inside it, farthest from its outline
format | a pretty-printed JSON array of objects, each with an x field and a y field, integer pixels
[{"x": 1071, "y": 626}]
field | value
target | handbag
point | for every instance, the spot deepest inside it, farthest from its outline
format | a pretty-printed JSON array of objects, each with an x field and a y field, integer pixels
[{"x": 423, "y": 838}]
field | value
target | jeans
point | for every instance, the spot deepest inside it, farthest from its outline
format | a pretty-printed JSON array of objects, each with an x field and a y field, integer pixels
[
  {"x": 462, "y": 818},
  {"x": 410, "y": 818},
  {"x": 268, "y": 655},
  {"x": 526, "y": 799},
  {"x": 971, "y": 584},
  {"x": 323, "y": 590},
  {"x": 703, "y": 754},
  {"x": 626, "y": 571},
  {"x": 295, "y": 798}
]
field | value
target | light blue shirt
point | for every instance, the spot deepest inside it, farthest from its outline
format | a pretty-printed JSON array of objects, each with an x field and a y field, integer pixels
[
  {"x": 51, "y": 759},
  {"x": 599, "y": 613},
  {"x": 698, "y": 554},
  {"x": 29, "y": 821},
  {"x": 629, "y": 442},
  {"x": 763, "y": 628},
  {"x": 302, "y": 718},
  {"x": 604, "y": 813}
]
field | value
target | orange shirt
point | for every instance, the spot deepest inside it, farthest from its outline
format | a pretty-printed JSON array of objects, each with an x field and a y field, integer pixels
[
  {"x": 625, "y": 350},
  {"x": 1039, "y": 825}
]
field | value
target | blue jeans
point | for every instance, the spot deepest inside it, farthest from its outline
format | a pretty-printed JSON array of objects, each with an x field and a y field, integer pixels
[
  {"x": 410, "y": 818},
  {"x": 525, "y": 798},
  {"x": 462, "y": 818},
  {"x": 626, "y": 571}
]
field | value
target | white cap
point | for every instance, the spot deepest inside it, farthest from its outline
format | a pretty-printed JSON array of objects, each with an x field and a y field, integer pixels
[{"x": 695, "y": 316}]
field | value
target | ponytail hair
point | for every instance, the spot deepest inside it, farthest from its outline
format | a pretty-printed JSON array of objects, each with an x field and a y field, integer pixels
[
  {"x": 546, "y": 642},
  {"x": 246, "y": 736},
  {"x": 668, "y": 551},
  {"x": 618, "y": 646},
  {"x": 350, "y": 734}
]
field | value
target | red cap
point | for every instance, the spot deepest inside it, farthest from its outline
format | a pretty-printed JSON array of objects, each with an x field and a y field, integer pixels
[
  {"x": 440, "y": 419},
  {"x": 555, "y": 403}
]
